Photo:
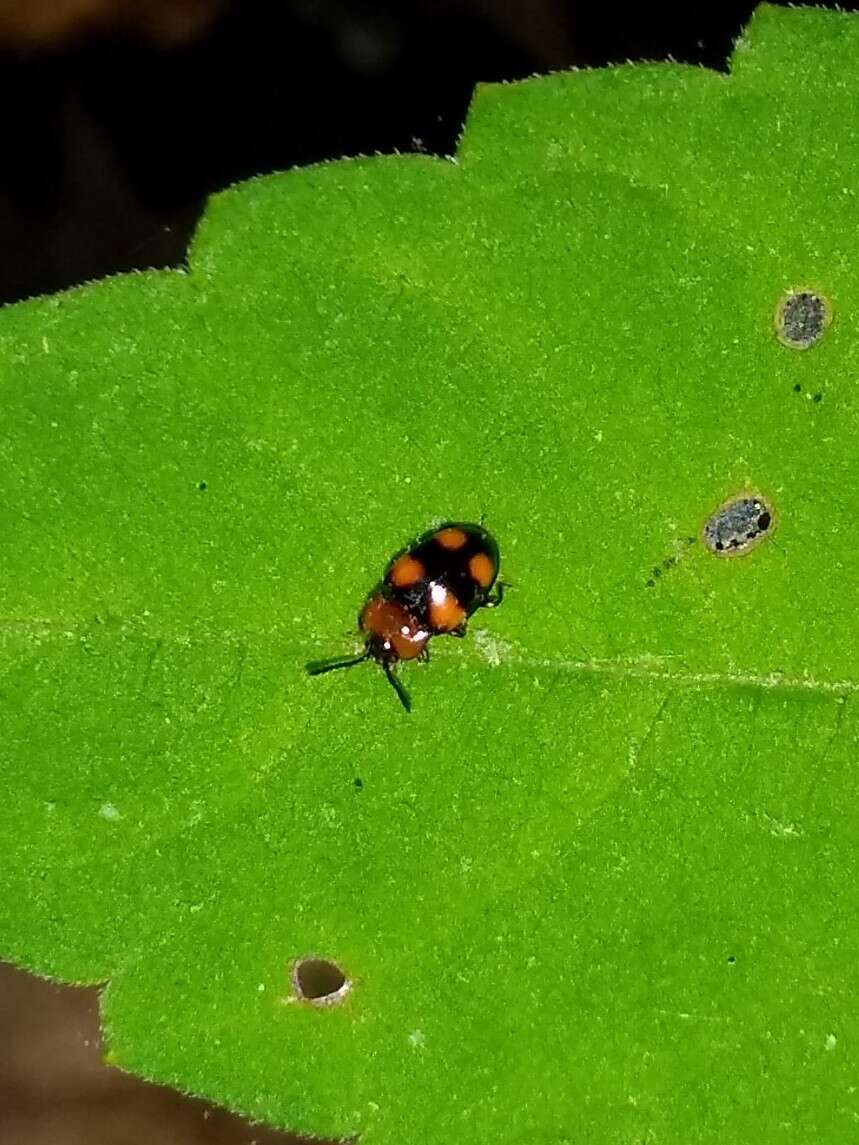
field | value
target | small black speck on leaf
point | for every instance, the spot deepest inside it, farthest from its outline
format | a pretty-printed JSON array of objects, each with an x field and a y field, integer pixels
[
  {"x": 202, "y": 486},
  {"x": 817, "y": 398},
  {"x": 667, "y": 565},
  {"x": 797, "y": 388},
  {"x": 359, "y": 783},
  {"x": 731, "y": 959},
  {"x": 801, "y": 318},
  {"x": 737, "y": 525}
]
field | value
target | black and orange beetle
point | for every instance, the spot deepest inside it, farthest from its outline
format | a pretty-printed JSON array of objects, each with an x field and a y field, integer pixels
[{"x": 430, "y": 589}]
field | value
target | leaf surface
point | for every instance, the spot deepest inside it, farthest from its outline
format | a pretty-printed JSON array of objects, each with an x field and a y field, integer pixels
[{"x": 599, "y": 885}]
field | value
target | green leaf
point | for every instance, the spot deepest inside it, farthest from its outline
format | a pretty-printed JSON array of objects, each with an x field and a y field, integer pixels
[{"x": 599, "y": 885}]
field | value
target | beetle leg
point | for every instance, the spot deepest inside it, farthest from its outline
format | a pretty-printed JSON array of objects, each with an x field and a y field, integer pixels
[
  {"x": 494, "y": 601},
  {"x": 402, "y": 694}
]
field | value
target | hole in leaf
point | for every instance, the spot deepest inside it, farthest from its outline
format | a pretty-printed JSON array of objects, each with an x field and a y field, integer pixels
[
  {"x": 738, "y": 525},
  {"x": 318, "y": 981},
  {"x": 801, "y": 318}
]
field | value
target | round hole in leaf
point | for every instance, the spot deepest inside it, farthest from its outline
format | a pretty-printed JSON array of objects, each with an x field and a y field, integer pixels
[
  {"x": 801, "y": 318},
  {"x": 738, "y": 525},
  {"x": 319, "y": 981}
]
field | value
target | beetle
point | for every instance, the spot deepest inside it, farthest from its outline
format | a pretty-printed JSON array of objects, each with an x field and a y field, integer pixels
[{"x": 431, "y": 588}]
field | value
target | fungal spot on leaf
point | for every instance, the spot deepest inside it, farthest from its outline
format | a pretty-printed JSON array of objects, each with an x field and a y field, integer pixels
[
  {"x": 801, "y": 318},
  {"x": 738, "y": 525},
  {"x": 319, "y": 982}
]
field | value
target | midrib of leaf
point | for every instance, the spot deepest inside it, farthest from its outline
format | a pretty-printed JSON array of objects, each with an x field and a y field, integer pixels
[
  {"x": 644, "y": 669},
  {"x": 490, "y": 651}
]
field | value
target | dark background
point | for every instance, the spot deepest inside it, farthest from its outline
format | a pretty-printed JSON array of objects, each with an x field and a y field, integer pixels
[{"x": 121, "y": 116}]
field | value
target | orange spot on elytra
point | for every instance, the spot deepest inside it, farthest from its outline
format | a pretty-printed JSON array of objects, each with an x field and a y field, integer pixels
[
  {"x": 445, "y": 611},
  {"x": 482, "y": 569},
  {"x": 451, "y": 538},
  {"x": 405, "y": 571}
]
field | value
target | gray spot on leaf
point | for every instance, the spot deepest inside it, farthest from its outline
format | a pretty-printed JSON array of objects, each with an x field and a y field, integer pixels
[
  {"x": 801, "y": 317},
  {"x": 738, "y": 525}
]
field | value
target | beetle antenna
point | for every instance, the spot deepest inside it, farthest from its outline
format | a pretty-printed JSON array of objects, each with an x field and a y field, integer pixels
[
  {"x": 317, "y": 667},
  {"x": 397, "y": 686}
]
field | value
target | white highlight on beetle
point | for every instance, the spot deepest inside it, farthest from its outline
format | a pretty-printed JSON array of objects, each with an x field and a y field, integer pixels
[{"x": 438, "y": 593}]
